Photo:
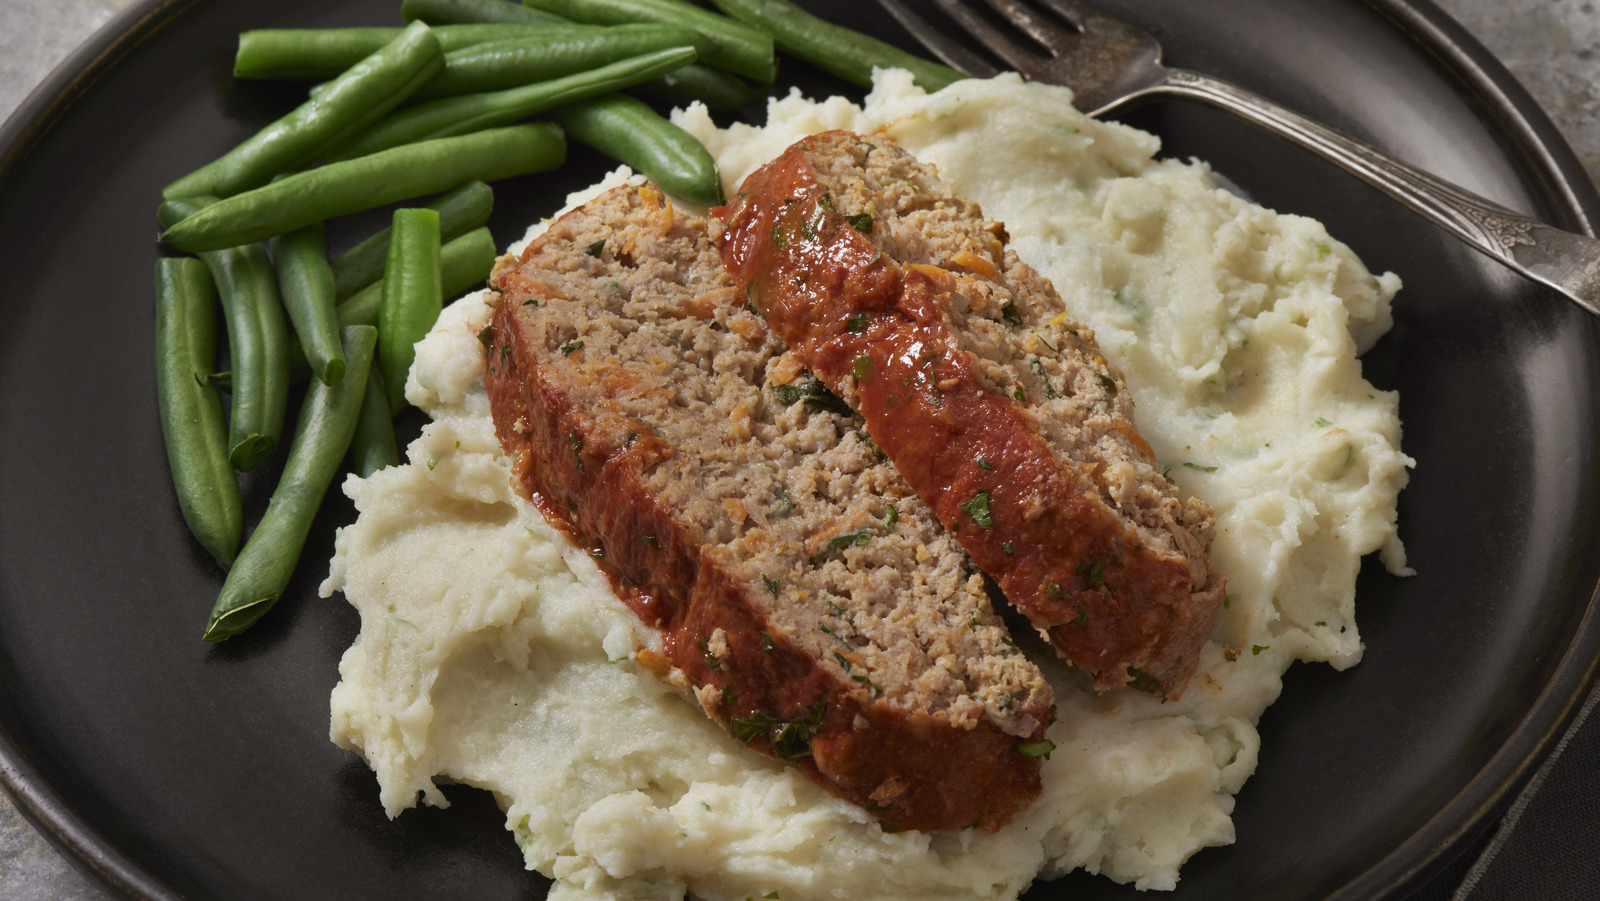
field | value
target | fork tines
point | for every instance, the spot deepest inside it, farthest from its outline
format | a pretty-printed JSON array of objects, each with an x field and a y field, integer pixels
[
  {"x": 1054, "y": 30},
  {"x": 943, "y": 48}
]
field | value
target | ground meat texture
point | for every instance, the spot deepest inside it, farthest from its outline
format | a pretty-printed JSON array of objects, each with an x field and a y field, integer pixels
[
  {"x": 804, "y": 594},
  {"x": 994, "y": 403}
]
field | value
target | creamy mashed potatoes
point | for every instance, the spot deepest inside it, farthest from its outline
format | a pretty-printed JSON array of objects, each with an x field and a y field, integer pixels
[{"x": 493, "y": 653}]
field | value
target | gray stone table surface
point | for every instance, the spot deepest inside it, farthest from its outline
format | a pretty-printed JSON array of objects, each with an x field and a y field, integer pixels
[{"x": 1552, "y": 46}]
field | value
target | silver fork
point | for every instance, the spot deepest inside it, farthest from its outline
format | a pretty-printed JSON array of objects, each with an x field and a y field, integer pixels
[{"x": 1108, "y": 62}]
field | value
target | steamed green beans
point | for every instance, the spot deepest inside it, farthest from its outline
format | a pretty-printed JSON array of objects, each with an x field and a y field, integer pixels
[
  {"x": 351, "y": 102},
  {"x": 386, "y": 177},
  {"x": 848, "y": 54},
  {"x": 258, "y": 341},
  {"x": 192, "y": 421},
  {"x": 498, "y": 65},
  {"x": 321, "y": 437},
  {"x": 413, "y": 295},
  {"x": 739, "y": 48},
  {"x": 629, "y": 130},
  {"x": 460, "y": 211},
  {"x": 305, "y": 282},
  {"x": 461, "y": 115},
  {"x": 464, "y": 263}
]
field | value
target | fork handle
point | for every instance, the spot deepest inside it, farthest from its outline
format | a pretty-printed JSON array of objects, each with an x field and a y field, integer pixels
[{"x": 1561, "y": 260}]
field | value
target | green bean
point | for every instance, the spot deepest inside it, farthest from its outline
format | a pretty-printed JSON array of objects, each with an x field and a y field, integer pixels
[
  {"x": 442, "y": 12},
  {"x": 374, "y": 447},
  {"x": 322, "y": 53},
  {"x": 413, "y": 295},
  {"x": 305, "y": 281},
  {"x": 460, "y": 211},
  {"x": 474, "y": 112},
  {"x": 354, "y": 100},
  {"x": 347, "y": 187},
  {"x": 258, "y": 341},
  {"x": 498, "y": 65},
  {"x": 629, "y": 130},
  {"x": 307, "y": 53},
  {"x": 740, "y": 48},
  {"x": 275, "y": 378},
  {"x": 321, "y": 437},
  {"x": 463, "y": 265},
  {"x": 192, "y": 421},
  {"x": 715, "y": 88},
  {"x": 697, "y": 81},
  {"x": 848, "y": 54}
]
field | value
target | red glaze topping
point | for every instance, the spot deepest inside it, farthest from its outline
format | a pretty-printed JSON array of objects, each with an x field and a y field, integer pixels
[{"x": 876, "y": 333}]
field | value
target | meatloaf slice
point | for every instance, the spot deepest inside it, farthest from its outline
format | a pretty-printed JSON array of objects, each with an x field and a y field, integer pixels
[
  {"x": 805, "y": 595},
  {"x": 994, "y": 403}
]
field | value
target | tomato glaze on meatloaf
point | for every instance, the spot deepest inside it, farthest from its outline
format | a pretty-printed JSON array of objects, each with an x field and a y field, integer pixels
[
  {"x": 803, "y": 593},
  {"x": 995, "y": 405}
]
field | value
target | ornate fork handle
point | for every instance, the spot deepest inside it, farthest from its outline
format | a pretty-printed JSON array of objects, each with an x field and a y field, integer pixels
[{"x": 1561, "y": 260}]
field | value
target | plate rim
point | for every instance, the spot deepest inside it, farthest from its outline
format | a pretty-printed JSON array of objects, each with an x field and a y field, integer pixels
[{"x": 1543, "y": 154}]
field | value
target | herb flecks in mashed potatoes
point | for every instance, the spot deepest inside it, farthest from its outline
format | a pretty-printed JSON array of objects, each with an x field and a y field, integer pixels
[{"x": 492, "y": 652}]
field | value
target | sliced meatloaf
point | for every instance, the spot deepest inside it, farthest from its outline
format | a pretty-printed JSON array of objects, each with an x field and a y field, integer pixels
[
  {"x": 803, "y": 592},
  {"x": 994, "y": 403}
]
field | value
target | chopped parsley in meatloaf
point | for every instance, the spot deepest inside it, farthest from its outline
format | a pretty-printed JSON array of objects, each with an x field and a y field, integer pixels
[
  {"x": 994, "y": 403},
  {"x": 805, "y": 594}
]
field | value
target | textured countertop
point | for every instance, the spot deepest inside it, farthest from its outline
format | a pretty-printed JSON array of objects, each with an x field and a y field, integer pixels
[{"x": 1552, "y": 46}]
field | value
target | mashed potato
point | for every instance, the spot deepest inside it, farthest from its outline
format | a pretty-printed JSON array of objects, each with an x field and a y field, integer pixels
[{"x": 493, "y": 653}]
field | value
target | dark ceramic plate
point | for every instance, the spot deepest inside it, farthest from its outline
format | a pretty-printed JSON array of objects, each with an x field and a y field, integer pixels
[{"x": 179, "y": 769}]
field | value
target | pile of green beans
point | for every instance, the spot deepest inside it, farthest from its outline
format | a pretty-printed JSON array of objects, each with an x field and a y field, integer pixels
[{"x": 437, "y": 107}]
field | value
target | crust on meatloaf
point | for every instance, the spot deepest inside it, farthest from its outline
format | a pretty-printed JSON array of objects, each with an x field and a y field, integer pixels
[
  {"x": 995, "y": 404},
  {"x": 805, "y": 595}
]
